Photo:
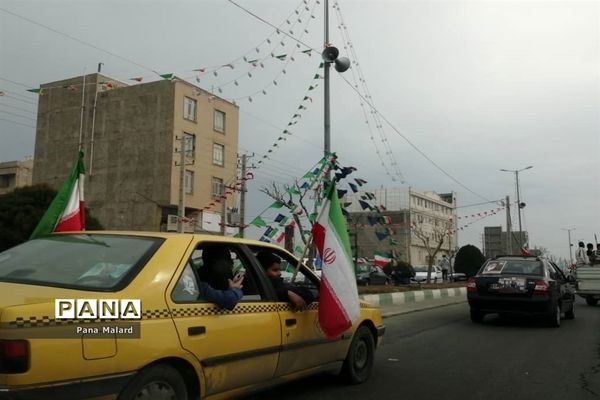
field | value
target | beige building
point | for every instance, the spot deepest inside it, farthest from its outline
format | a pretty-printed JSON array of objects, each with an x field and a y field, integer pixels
[
  {"x": 14, "y": 174},
  {"x": 405, "y": 211},
  {"x": 132, "y": 136}
]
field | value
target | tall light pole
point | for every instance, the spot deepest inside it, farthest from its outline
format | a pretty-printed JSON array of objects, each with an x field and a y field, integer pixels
[
  {"x": 519, "y": 205},
  {"x": 570, "y": 245}
]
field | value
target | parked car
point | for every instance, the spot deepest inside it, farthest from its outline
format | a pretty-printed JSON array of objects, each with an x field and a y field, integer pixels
[
  {"x": 163, "y": 340},
  {"x": 457, "y": 276},
  {"x": 521, "y": 285},
  {"x": 421, "y": 274},
  {"x": 371, "y": 275}
]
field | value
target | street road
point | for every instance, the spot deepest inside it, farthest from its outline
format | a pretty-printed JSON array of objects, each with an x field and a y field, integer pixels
[{"x": 440, "y": 354}]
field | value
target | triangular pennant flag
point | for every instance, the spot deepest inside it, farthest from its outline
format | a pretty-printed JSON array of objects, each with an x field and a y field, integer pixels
[
  {"x": 381, "y": 235},
  {"x": 281, "y": 56},
  {"x": 38, "y": 90},
  {"x": 258, "y": 221},
  {"x": 277, "y": 204},
  {"x": 372, "y": 220},
  {"x": 364, "y": 205},
  {"x": 293, "y": 190},
  {"x": 166, "y": 76},
  {"x": 353, "y": 187},
  {"x": 279, "y": 218},
  {"x": 137, "y": 79},
  {"x": 341, "y": 193}
]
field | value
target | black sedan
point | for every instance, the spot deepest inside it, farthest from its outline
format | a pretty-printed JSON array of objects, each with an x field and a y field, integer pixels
[
  {"x": 371, "y": 275},
  {"x": 521, "y": 285}
]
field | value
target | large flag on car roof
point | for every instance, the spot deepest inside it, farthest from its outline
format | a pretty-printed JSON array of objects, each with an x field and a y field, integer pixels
[
  {"x": 338, "y": 299},
  {"x": 67, "y": 211}
]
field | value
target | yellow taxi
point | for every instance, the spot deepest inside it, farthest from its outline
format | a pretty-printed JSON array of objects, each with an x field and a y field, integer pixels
[{"x": 121, "y": 315}]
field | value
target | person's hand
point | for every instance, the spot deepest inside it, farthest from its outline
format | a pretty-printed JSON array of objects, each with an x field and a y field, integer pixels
[
  {"x": 236, "y": 284},
  {"x": 297, "y": 301}
]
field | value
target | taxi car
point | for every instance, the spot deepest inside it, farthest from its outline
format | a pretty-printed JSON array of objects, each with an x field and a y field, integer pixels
[{"x": 97, "y": 314}]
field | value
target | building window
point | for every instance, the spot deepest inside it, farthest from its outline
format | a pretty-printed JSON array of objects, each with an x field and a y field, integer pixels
[
  {"x": 219, "y": 121},
  {"x": 189, "y": 109},
  {"x": 188, "y": 183},
  {"x": 218, "y": 154},
  {"x": 189, "y": 144},
  {"x": 5, "y": 180},
  {"x": 217, "y": 187}
]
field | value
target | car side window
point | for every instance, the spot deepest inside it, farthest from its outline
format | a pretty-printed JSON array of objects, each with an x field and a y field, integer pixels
[
  {"x": 215, "y": 264},
  {"x": 302, "y": 278},
  {"x": 557, "y": 273}
]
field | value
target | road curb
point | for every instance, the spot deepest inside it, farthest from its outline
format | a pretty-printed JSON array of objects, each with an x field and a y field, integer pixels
[{"x": 388, "y": 299}]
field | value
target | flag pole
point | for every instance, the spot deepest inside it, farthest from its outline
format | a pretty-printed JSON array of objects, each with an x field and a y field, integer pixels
[{"x": 80, "y": 146}]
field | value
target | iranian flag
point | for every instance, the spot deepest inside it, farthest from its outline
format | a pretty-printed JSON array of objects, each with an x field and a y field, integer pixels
[
  {"x": 66, "y": 212},
  {"x": 338, "y": 300},
  {"x": 382, "y": 259}
]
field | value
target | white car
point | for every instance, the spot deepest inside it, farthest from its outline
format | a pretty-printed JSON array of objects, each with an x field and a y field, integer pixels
[{"x": 421, "y": 274}]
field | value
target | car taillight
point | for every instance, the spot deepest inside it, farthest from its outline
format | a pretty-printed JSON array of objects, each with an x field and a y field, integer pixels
[
  {"x": 541, "y": 288},
  {"x": 14, "y": 356},
  {"x": 471, "y": 285}
]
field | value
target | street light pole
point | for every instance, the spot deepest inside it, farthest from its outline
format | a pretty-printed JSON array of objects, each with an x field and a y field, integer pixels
[
  {"x": 570, "y": 245},
  {"x": 326, "y": 66},
  {"x": 518, "y": 198}
]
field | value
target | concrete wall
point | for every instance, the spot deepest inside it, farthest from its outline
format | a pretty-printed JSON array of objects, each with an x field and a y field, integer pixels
[
  {"x": 131, "y": 146},
  {"x": 14, "y": 174}
]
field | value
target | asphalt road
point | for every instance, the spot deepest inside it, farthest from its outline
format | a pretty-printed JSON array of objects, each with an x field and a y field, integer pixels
[{"x": 440, "y": 354}]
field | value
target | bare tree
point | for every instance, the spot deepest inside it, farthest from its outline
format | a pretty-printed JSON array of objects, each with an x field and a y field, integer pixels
[
  {"x": 432, "y": 239},
  {"x": 283, "y": 195}
]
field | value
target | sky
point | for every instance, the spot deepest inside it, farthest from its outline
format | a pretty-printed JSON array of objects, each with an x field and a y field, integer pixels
[{"x": 452, "y": 91}]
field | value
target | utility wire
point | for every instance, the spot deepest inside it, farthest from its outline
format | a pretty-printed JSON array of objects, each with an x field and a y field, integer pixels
[
  {"x": 77, "y": 40},
  {"x": 270, "y": 24},
  {"x": 411, "y": 144}
]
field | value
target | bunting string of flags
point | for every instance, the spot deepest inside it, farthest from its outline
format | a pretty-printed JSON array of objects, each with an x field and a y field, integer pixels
[
  {"x": 311, "y": 180},
  {"x": 383, "y": 149},
  {"x": 271, "y": 150}
]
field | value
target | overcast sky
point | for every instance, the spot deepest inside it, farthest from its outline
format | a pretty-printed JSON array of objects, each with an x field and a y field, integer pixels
[{"x": 475, "y": 86}]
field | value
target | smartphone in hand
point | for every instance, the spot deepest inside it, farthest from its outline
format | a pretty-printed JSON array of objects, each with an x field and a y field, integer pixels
[{"x": 239, "y": 276}]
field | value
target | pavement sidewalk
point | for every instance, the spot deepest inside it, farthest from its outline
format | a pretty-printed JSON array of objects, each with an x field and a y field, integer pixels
[{"x": 406, "y": 302}]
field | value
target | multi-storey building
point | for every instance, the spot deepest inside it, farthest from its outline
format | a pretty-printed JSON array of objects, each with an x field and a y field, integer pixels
[
  {"x": 406, "y": 212},
  {"x": 497, "y": 242},
  {"x": 132, "y": 137},
  {"x": 14, "y": 174}
]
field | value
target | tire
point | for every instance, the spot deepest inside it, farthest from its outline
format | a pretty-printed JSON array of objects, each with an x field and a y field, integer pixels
[
  {"x": 571, "y": 313},
  {"x": 359, "y": 360},
  {"x": 553, "y": 318},
  {"x": 591, "y": 301},
  {"x": 156, "y": 382},
  {"x": 476, "y": 316}
]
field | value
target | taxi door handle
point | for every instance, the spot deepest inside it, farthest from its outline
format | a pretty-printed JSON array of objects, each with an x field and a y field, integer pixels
[
  {"x": 196, "y": 330},
  {"x": 290, "y": 322}
]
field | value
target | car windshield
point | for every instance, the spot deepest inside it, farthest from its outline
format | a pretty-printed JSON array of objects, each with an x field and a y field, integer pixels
[
  {"x": 421, "y": 268},
  {"x": 513, "y": 267},
  {"x": 78, "y": 261}
]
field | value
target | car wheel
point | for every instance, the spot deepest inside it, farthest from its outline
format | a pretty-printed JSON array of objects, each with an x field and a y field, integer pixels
[
  {"x": 591, "y": 301},
  {"x": 156, "y": 382},
  {"x": 477, "y": 316},
  {"x": 554, "y": 317},
  {"x": 359, "y": 360},
  {"x": 571, "y": 313}
]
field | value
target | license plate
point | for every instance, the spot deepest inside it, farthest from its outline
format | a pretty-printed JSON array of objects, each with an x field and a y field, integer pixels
[{"x": 512, "y": 284}]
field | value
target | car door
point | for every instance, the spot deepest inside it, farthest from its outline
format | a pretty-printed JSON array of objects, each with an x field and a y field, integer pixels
[
  {"x": 304, "y": 345},
  {"x": 235, "y": 348},
  {"x": 565, "y": 288}
]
